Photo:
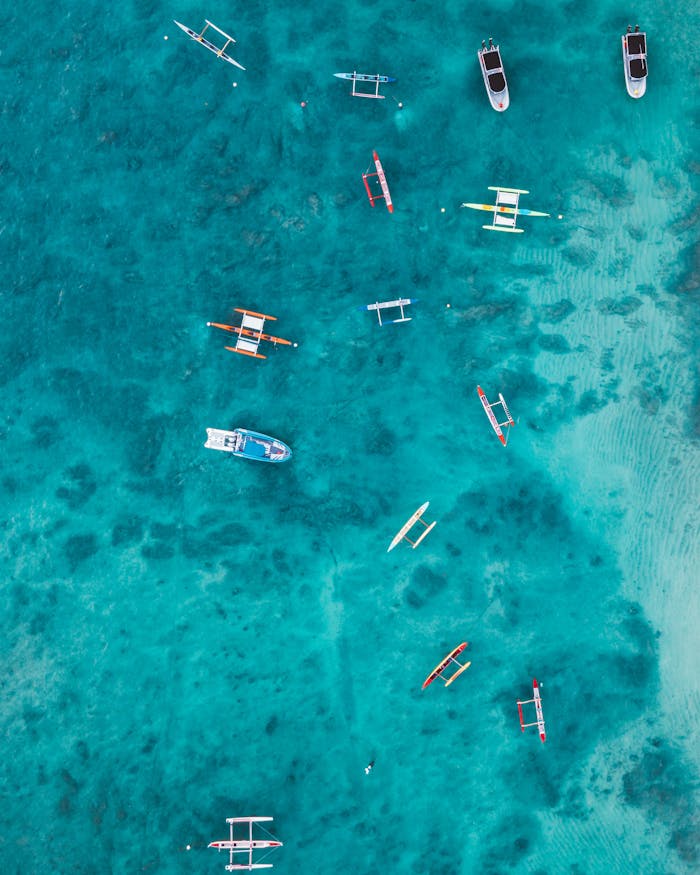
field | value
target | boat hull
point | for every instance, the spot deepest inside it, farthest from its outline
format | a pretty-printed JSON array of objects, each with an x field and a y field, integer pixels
[
  {"x": 243, "y": 845},
  {"x": 442, "y": 665},
  {"x": 364, "y": 77},
  {"x": 492, "y": 208},
  {"x": 538, "y": 710},
  {"x": 494, "y": 78},
  {"x": 248, "y": 444},
  {"x": 635, "y": 61},
  {"x": 208, "y": 45},
  {"x": 492, "y": 419}
]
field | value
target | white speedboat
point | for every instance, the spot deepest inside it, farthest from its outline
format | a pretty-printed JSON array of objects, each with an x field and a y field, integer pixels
[
  {"x": 634, "y": 54},
  {"x": 249, "y": 444},
  {"x": 494, "y": 75}
]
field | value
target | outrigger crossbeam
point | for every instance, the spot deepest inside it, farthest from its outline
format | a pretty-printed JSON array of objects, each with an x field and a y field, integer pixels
[
  {"x": 539, "y": 716},
  {"x": 250, "y": 333},
  {"x": 219, "y": 52},
  {"x": 506, "y": 209},
  {"x": 496, "y": 425},
  {"x": 376, "y": 79},
  {"x": 402, "y": 534},
  {"x": 385, "y": 195},
  {"x": 439, "y": 669},
  {"x": 247, "y": 845},
  {"x": 385, "y": 305}
]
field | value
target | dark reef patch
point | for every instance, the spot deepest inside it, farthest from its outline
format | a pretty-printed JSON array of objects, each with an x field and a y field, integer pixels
[
  {"x": 46, "y": 431},
  {"x": 425, "y": 585},
  {"x": 580, "y": 256},
  {"x": 555, "y": 343},
  {"x": 80, "y": 484},
  {"x": 381, "y": 441},
  {"x": 557, "y": 312},
  {"x": 661, "y": 782},
  {"x": 590, "y": 402},
  {"x": 79, "y": 548},
  {"x": 650, "y": 398},
  {"x": 127, "y": 531},
  {"x": 618, "y": 307}
]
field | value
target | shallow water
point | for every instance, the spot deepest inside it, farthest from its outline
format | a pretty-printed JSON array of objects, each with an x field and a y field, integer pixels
[{"x": 188, "y": 636}]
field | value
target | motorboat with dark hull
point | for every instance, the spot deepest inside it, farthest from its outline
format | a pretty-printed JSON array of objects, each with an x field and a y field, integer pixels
[
  {"x": 494, "y": 75},
  {"x": 634, "y": 55}
]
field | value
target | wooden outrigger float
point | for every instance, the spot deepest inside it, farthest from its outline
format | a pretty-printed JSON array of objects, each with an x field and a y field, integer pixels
[
  {"x": 250, "y": 333},
  {"x": 506, "y": 209},
  {"x": 219, "y": 52},
  {"x": 451, "y": 657},
  {"x": 539, "y": 717},
  {"x": 402, "y": 534},
  {"x": 386, "y": 195},
  {"x": 246, "y": 846},
  {"x": 377, "y": 79},
  {"x": 385, "y": 305},
  {"x": 488, "y": 408}
]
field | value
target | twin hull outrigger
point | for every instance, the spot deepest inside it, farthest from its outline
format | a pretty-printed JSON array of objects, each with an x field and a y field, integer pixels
[
  {"x": 219, "y": 52},
  {"x": 245, "y": 846}
]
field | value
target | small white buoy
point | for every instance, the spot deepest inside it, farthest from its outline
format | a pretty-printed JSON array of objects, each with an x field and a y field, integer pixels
[
  {"x": 400, "y": 105},
  {"x": 296, "y": 345},
  {"x": 560, "y": 216},
  {"x": 235, "y": 84},
  {"x": 442, "y": 209},
  {"x": 448, "y": 306},
  {"x": 188, "y": 847},
  {"x": 166, "y": 36}
]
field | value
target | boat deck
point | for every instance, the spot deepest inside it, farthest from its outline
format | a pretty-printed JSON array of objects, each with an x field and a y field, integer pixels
[
  {"x": 638, "y": 68},
  {"x": 636, "y": 44},
  {"x": 492, "y": 60},
  {"x": 497, "y": 82},
  {"x": 255, "y": 447}
]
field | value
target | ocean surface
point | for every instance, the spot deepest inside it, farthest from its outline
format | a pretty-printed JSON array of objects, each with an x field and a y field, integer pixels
[{"x": 187, "y": 636}]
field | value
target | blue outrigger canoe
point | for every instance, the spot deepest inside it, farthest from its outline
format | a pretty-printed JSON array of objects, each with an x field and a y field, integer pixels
[
  {"x": 375, "y": 79},
  {"x": 249, "y": 444}
]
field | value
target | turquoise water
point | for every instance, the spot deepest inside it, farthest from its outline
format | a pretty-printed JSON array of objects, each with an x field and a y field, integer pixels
[{"x": 189, "y": 637}]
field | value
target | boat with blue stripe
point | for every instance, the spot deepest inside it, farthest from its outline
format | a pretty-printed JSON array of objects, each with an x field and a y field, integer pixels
[
  {"x": 249, "y": 444},
  {"x": 375, "y": 78}
]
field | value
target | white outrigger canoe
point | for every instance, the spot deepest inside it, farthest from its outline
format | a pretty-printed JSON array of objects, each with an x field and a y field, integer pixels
[
  {"x": 506, "y": 209},
  {"x": 536, "y": 700},
  {"x": 246, "y": 845},
  {"x": 400, "y": 304},
  {"x": 634, "y": 55},
  {"x": 495, "y": 424},
  {"x": 494, "y": 75},
  {"x": 219, "y": 52},
  {"x": 416, "y": 517}
]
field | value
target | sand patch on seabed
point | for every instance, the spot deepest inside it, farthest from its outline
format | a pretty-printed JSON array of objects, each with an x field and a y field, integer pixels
[{"x": 619, "y": 401}]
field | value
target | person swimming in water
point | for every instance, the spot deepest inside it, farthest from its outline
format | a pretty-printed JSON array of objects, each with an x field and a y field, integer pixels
[{"x": 369, "y": 768}]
